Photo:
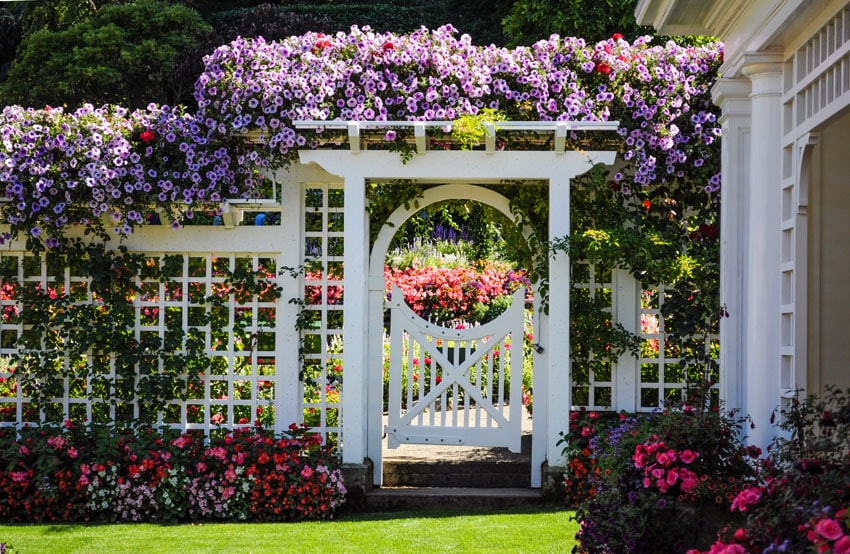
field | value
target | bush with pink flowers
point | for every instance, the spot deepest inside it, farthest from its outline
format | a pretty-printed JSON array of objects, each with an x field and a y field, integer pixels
[
  {"x": 659, "y": 482},
  {"x": 105, "y": 473},
  {"x": 800, "y": 500}
]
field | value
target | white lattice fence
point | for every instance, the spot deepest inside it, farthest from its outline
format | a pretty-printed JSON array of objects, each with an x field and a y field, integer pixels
[
  {"x": 240, "y": 385},
  {"x": 665, "y": 367},
  {"x": 321, "y": 377}
]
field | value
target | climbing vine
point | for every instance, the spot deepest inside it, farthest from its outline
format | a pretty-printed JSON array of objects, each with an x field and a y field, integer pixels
[{"x": 79, "y": 341}]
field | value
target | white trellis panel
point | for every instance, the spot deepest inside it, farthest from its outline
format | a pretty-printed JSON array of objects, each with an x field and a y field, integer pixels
[{"x": 455, "y": 386}]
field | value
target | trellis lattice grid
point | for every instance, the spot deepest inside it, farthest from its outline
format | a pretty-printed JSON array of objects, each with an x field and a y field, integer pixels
[
  {"x": 667, "y": 366},
  {"x": 238, "y": 333},
  {"x": 321, "y": 333}
]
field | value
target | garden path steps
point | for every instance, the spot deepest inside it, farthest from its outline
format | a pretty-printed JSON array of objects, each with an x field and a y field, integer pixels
[{"x": 432, "y": 477}]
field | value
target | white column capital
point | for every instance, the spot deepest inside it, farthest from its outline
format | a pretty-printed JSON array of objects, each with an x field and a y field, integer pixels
[
  {"x": 764, "y": 69},
  {"x": 732, "y": 96}
]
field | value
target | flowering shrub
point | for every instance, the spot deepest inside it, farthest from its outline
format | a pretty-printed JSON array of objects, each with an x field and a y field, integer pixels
[
  {"x": 640, "y": 481},
  {"x": 802, "y": 494},
  {"x": 455, "y": 295},
  {"x": 60, "y": 169},
  {"x": 70, "y": 473},
  {"x": 261, "y": 87}
]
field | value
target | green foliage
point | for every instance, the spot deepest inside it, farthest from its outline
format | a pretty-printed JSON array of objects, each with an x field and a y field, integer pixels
[
  {"x": 84, "y": 338},
  {"x": 471, "y": 130},
  {"x": 121, "y": 55},
  {"x": 593, "y": 20},
  {"x": 660, "y": 482}
]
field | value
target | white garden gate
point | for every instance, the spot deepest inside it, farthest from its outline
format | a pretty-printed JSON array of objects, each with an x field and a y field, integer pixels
[{"x": 455, "y": 386}]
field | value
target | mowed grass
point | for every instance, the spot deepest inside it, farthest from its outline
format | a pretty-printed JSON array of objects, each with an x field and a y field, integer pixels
[{"x": 545, "y": 530}]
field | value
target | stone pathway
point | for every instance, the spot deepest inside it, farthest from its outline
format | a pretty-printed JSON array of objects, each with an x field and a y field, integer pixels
[{"x": 430, "y": 452}]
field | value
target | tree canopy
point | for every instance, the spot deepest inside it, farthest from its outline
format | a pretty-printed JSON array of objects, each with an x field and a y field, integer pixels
[{"x": 123, "y": 55}]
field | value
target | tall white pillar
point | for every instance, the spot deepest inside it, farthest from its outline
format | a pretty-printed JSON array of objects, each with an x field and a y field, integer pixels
[
  {"x": 355, "y": 310},
  {"x": 288, "y": 387},
  {"x": 558, "y": 391},
  {"x": 733, "y": 98},
  {"x": 763, "y": 219}
]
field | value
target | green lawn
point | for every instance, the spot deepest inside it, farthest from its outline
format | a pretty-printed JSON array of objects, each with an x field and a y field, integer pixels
[{"x": 531, "y": 531}]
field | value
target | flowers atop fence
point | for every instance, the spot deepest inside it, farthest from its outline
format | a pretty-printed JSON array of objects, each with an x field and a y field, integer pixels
[
  {"x": 61, "y": 169},
  {"x": 657, "y": 92},
  {"x": 70, "y": 473}
]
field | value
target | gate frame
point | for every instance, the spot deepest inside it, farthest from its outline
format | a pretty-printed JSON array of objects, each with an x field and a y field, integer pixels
[{"x": 362, "y": 423}]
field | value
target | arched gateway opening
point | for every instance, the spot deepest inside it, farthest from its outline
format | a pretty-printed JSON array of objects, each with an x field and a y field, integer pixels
[
  {"x": 362, "y": 405},
  {"x": 450, "y": 386}
]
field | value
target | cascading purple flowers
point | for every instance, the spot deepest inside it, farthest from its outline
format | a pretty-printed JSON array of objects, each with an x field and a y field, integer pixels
[
  {"x": 658, "y": 93},
  {"x": 59, "y": 169}
]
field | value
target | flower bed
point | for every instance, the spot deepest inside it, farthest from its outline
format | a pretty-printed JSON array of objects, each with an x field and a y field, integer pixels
[
  {"x": 800, "y": 498},
  {"x": 682, "y": 478},
  {"x": 70, "y": 473},
  {"x": 658, "y": 482}
]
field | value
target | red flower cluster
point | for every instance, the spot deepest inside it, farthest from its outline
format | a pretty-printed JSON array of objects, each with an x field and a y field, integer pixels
[
  {"x": 665, "y": 468},
  {"x": 74, "y": 474},
  {"x": 450, "y": 294}
]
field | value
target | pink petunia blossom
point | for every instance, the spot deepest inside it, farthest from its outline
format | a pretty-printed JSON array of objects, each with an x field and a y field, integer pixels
[
  {"x": 841, "y": 546},
  {"x": 829, "y": 529},
  {"x": 688, "y": 456}
]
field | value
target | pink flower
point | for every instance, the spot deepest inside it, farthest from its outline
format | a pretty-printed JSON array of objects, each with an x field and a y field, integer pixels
[
  {"x": 228, "y": 492},
  {"x": 672, "y": 476},
  {"x": 72, "y": 453},
  {"x": 666, "y": 458},
  {"x": 19, "y": 476},
  {"x": 841, "y": 546},
  {"x": 745, "y": 498},
  {"x": 56, "y": 442},
  {"x": 307, "y": 472},
  {"x": 829, "y": 529},
  {"x": 688, "y": 456},
  {"x": 83, "y": 480}
]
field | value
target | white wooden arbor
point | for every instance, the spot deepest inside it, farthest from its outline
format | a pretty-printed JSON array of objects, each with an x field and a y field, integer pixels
[{"x": 365, "y": 287}]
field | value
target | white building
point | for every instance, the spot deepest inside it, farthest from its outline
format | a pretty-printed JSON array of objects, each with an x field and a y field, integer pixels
[{"x": 785, "y": 232}]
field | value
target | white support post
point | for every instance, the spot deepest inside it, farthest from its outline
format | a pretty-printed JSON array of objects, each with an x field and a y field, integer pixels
[
  {"x": 627, "y": 314},
  {"x": 540, "y": 413},
  {"x": 355, "y": 310},
  {"x": 732, "y": 96},
  {"x": 763, "y": 296},
  {"x": 287, "y": 364},
  {"x": 558, "y": 392}
]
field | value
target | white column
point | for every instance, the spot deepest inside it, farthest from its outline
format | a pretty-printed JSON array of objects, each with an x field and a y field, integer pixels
[
  {"x": 733, "y": 98},
  {"x": 356, "y": 244},
  {"x": 627, "y": 314},
  {"x": 763, "y": 217},
  {"x": 288, "y": 366},
  {"x": 558, "y": 392}
]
